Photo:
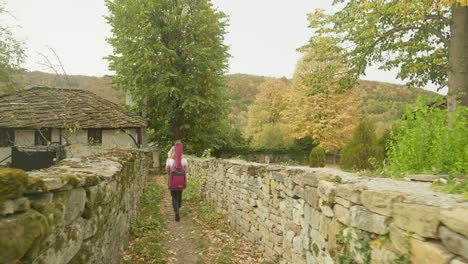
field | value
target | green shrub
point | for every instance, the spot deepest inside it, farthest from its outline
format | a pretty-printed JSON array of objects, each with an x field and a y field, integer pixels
[
  {"x": 317, "y": 157},
  {"x": 363, "y": 147},
  {"x": 423, "y": 142}
]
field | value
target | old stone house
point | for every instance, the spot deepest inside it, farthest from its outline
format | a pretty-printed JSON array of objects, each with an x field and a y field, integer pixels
[{"x": 41, "y": 119}]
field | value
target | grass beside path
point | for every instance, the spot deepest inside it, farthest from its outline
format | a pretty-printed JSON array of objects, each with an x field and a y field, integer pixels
[{"x": 147, "y": 231}]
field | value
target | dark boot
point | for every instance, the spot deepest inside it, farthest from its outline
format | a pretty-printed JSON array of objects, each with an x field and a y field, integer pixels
[{"x": 177, "y": 218}]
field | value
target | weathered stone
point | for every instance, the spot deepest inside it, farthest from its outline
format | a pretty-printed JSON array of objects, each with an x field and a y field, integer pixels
[
  {"x": 19, "y": 233},
  {"x": 74, "y": 202},
  {"x": 39, "y": 201},
  {"x": 326, "y": 209},
  {"x": 343, "y": 202},
  {"x": 90, "y": 228},
  {"x": 310, "y": 259},
  {"x": 311, "y": 180},
  {"x": 426, "y": 252},
  {"x": 317, "y": 239},
  {"x": 14, "y": 206},
  {"x": 421, "y": 219},
  {"x": 342, "y": 214},
  {"x": 454, "y": 242},
  {"x": 311, "y": 196},
  {"x": 298, "y": 192},
  {"x": 382, "y": 253},
  {"x": 333, "y": 230},
  {"x": 379, "y": 201},
  {"x": 399, "y": 238},
  {"x": 458, "y": 261},
  {"x": 326, "y": 190},
  {"x": 51, "y": 184},
  {"x": 314, "y": 219},
  {"x": 456, "y": 219},
  {"x": 324, "y": 225},
  {"x": 350, "y": 192},
  {"x": 65, "y": 243},
  {"x": 297, "y": 245},
  {"x": 367, "y": 220}
]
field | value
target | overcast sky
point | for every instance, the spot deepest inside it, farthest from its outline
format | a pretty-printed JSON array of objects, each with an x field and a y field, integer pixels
[{"x": 263, "y": 34}]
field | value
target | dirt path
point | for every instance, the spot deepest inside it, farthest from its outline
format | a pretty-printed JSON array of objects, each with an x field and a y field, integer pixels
[{"x": 181, "y": 234}]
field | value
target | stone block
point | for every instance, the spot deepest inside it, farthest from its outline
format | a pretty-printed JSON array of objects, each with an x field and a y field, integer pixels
[
  {"x": 311, "y": 196},
  {"x": 350, "y": 192},
  {"x": 342, "y": 214},
  {"x": 379, "y": 201},
  {"x": 458, "y": 261},
  {"x": 421, "y": 219},
  {"x": 19, "y": 233},
  {"x": 399, "y": 238},
  {"x": 428, "y": 252},
  {"x": 343, "y": 202},
  {"x": 65, "y": 243},
  {"x": 324, "y": 225},
  {"x": 326, "y": 209},
  {"x": 456, "y": 219},
  {"x": 39, "y": 201},
  {"x": 19, "y": 205},
  {"x": 367, "y": 220},
  {"x": 297, "y": 245},
  {"x": 382, "y": 253},
  {"x": 74, "y": 202},
  {"x": 310, "y": 180},
  {"x": 326, "y": 190},
  {"x": 298, "y": 192},
  {"x": 454, "y": 242}
]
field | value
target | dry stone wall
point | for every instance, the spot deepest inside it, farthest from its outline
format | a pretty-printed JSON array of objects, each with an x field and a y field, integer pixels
[
  {"x": 318, "y": 215},
  {"x": 76, "y": 212}
]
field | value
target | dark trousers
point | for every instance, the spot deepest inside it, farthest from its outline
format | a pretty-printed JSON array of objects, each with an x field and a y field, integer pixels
[{"x": 176, "y": 200}]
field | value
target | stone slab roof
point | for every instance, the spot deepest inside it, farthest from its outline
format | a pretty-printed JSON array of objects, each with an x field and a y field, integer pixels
[{"x": 63, "y": 108}]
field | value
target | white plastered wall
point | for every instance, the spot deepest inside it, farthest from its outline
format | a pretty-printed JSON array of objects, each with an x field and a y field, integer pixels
[{"x": 78, "y": 141}]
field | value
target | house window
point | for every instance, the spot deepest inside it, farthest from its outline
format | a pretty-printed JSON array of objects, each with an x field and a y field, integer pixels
[
  {"x": 94, "y": 136},
  {"x": 7, "y": 137},
  {"x": 42, "y": 137}
]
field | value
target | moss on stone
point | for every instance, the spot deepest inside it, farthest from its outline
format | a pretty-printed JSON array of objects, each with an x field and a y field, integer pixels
[
  {"x": 54, "y": 212},
  {"x": 91, "y": 180},
  {"x": 35, "y": 184},
  {"x": 21, "y": 233},
  {"x": 83, "y": 255},
  {"x": 13, "y": 183},
  {"x": 71, "y": 179}
]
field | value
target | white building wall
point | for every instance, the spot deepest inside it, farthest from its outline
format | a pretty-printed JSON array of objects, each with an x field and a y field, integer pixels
[
  {"x": 78, "y": 141},
  {"x": 119, "y": 139}
]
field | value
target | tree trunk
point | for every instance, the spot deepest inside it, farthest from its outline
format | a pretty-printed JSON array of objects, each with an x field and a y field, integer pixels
[{"x": 458, "y": 60}]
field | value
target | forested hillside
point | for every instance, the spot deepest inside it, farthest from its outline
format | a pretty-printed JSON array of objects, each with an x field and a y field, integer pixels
[
  {"x": 381, "y": 102},
  {"x": 98, "y": 85}
]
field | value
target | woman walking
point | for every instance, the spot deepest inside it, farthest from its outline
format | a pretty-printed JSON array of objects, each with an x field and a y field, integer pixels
[{"x": 176, "y": 168}]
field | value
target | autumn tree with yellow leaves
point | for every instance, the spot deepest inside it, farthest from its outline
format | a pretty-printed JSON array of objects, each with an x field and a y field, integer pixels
[
  {"x": 426, "y": 40},
  {"x": 316, "y": 105},
  {"x": 264, "y": 126}
]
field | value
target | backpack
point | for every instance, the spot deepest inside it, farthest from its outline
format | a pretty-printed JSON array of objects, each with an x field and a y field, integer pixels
[{"x": 177, "y": 179}]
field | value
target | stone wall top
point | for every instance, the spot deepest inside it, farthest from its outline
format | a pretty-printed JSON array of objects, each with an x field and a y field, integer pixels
[
  {"x": 418, "y": 192},
  {"x": 78, "y": 172}
]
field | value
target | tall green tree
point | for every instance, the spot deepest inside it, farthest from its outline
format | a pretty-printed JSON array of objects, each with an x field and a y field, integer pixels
[
  {"x": 427, "y": 40},
  {"x": 170, "y": 57},
  {"x": 12, "y": 55}
]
